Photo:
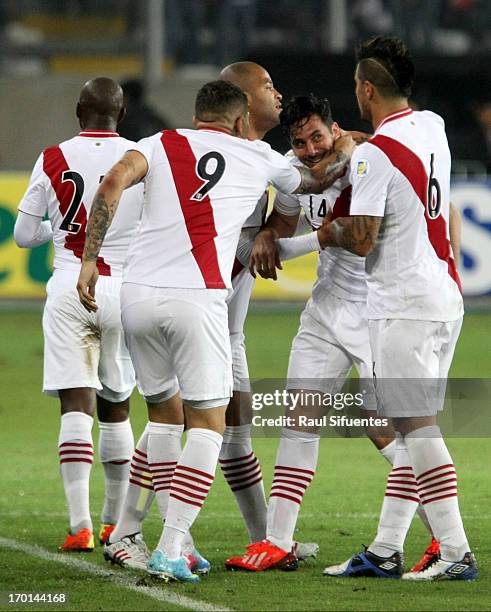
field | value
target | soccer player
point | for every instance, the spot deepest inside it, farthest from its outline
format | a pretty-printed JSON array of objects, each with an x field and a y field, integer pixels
[
  {"x": 237, "y": 459},
  {"x": 400, "y": 214},
  {"x": 200, "y": 185},
  {"x": 239, "y": 464},
  {"x": 333, "y": 335},
  {"x": 86, "y": 362}
]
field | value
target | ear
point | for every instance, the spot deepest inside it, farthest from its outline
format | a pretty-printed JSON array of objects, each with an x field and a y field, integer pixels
[
  {"x": 369, "y": 89},
  {"x": 122, "y": 115},
  {"x": 240, "y": 127},
  {"x": 336, "y": 131},
  {"x": 195, "y": 121},
  {"x": 78, "y": 112}
]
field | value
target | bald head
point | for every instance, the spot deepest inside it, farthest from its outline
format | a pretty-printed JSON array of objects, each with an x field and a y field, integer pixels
[
  {"x": 100, "y": 105},
  {"x": 264, "y": 100},
  {"x": 242, "y": 74}
]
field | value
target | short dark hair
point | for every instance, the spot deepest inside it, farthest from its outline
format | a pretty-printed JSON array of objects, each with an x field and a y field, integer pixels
[
  {"x": 217, "y": 99},
  {"x": 297, "y": 111},
  {"x": 386, "y": 62}
]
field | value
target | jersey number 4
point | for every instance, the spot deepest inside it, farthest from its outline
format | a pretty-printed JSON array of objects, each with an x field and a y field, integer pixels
[
  {"x": 68, "y": 224},
  {"x": 210, "y": 178}
]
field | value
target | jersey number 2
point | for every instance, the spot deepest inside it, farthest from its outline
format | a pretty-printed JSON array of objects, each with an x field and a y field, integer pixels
[
  {"x": 210, "y": 178},
  {"x": 434, "y": 201},
  {"x": 68, "y": 224}
]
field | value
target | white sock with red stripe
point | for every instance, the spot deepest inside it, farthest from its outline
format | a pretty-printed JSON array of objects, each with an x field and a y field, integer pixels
[
  {"x": 76, "y": 453},
  {"x": 139, "y": 495},
  {"x": 389, "y": 453},
  {"x": 190, "y": 485},
  {"x": 116, "y": 444},
  {"x": 400, "y": 503},
  {"x": 243, "y": 473},
  {"x": 295, "y": 467},
  {"x": 164, "y": 450},
  {"x": 437, "y": 487}
]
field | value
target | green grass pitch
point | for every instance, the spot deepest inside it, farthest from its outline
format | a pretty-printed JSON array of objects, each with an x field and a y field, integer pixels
[{"x": 339, "y": 512}]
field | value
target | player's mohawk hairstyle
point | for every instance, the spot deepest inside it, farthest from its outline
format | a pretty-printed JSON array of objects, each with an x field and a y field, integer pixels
[
  {"x": 298, "y": 110},
  {"x": 386, "y": 62}
]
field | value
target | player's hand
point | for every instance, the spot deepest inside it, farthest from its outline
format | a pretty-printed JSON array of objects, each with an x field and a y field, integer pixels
[
  {"x": 86, "y": 285},
  {"x": 264, "y": 255},
  {"x": 324, "y": 230},
  {"x": 346, "y": 144}
]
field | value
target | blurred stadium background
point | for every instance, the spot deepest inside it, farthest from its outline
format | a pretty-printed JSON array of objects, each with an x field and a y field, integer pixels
[{"x": 168, "y": 48}]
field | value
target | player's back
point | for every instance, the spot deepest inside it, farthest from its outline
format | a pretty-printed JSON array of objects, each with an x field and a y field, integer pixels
[
  {"x": 65, "y": 179},
  {"x": 200, "y": 187},
  {"x": 411, "y": 270}
]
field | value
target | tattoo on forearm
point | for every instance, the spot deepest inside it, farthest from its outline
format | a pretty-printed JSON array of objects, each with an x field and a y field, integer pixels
[
  {"x": 100, "y": 218},
  {"x": 310, "y": 184},
  {"x": 354, "y": 234}
]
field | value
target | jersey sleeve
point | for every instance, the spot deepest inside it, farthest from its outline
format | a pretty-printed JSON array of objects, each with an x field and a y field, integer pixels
[
  {"x": 35, "y": 200},
  {"x": 285, "y": 177},
  {"x": 287, "y": 204},
  {"x": 145, "y": 146},
  {"x": 370, "y": 175}
]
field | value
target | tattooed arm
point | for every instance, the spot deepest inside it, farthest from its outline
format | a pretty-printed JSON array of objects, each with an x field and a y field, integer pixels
[
  {"x": 129, "y": 171},
  {"x": 323, "y": 174},
  {"x": 357, "y": 234}
]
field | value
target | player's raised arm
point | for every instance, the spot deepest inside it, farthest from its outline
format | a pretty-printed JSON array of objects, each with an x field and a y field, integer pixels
[
  {"x": 322, "y": 175},
  {"x": 129, "y": 171}
]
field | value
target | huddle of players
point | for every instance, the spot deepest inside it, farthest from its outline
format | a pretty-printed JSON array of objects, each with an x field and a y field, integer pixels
[{"x": 175, "y": 297}]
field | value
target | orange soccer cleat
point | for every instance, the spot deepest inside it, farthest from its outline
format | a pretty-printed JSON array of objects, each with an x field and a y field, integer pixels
[
  {"x": 261, "y": 556},
  {"x": 82, "y": 541},
  {"x": 105, "y": 531},
  {"x": 430, "y": 556}
]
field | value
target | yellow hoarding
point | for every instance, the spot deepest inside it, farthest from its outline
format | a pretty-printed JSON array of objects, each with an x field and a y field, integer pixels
[{"x": 24, "y": 272}]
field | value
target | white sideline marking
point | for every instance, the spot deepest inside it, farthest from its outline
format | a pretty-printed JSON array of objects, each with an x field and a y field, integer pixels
[{"x": 157, "y": 593}]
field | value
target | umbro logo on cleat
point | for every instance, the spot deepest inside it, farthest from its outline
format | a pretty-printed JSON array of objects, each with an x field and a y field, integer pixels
[
  {"x": 388, "y": 565},
  {"x": 457, "y": 569}
]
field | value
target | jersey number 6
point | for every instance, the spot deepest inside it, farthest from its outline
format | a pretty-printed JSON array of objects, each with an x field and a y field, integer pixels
[
  {"x": 210, "y": 178},
  {"x": 434, "y": 198}
]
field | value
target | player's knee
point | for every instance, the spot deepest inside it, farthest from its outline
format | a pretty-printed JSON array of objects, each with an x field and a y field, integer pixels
[{"x": 78, "y": 400}]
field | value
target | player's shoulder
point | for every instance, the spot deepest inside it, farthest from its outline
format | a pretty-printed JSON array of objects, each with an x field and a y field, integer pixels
[
  {"x": 291, "y": 157},
  {"x": 431, "y": 117}
]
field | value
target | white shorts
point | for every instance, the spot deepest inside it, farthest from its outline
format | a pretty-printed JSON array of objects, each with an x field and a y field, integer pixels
[
  {"x": 178, "y": 336},
  {"x": 332, "y": 338},
  {"x": 418, "y": 354},
  {"x": 83, "y": 349},
  {"x": 238, "y": 304}
]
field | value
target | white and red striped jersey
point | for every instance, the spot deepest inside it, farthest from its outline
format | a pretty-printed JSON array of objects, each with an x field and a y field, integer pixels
[
  {"x": 63, "y": 184},
  {"x": 403, "y": 175},
  {"x": 200, "y": 188},
  {"x": 339, "y": 271}
]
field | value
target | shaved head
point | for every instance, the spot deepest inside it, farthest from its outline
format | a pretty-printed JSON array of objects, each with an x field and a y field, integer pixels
[
  {"x": 241, "y": 74},
  {"x": 264, "y": 100},
  {"x": 100, "y": 103}
]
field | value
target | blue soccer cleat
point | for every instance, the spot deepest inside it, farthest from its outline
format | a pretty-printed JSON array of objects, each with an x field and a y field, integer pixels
[
  {"x": 466, "y": 569},
  {"x": 161, "y": 567},
  {"x": 367, "y": 565},
  {"x": 196, "y": 562}
]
